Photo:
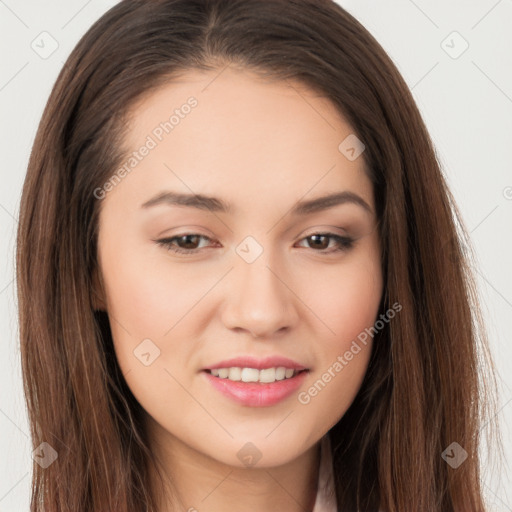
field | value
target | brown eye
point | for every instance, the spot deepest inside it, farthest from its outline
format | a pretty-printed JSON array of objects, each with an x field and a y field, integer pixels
[
  {"x": 321, "y": 242},
  {"x": 186, "y": 243}
]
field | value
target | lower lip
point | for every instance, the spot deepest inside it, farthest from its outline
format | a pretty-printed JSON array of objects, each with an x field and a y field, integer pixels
[{"x": 255, "y": 394}]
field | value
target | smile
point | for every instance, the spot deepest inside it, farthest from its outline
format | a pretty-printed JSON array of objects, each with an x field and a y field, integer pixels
[
  {"x": 255, "y": 388},
  {"x": 266, "y": 375}
]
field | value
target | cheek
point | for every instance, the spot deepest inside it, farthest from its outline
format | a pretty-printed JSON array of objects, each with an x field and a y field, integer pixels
[
  {"x": 146, "y": 301},
  {"x": 347, "y": 301},
  {"x": 328, "y": 394},
  {"x": 147, "y": 296},
  {"x": 148, "y": 310}
]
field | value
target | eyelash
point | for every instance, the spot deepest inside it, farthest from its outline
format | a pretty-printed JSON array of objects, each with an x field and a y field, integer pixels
[{"x": 344, "y": 243}]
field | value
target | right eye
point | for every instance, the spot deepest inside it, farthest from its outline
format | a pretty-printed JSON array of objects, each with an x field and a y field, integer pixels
[{"x": 184, "y": 244}]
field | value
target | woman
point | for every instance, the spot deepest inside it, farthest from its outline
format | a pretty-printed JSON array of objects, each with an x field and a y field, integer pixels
[{"x": 256, "y": 297}]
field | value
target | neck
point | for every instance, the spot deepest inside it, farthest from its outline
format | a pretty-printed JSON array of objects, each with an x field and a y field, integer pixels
[{"x": 198, "y": 482}]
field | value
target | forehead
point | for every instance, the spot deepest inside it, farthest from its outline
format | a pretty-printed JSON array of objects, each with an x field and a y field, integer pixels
[
  {"x": 244, "y": 136},
  {"x": 236, "y": 106}
]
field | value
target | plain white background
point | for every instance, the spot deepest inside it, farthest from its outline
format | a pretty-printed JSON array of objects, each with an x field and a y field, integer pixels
[{"x": 456, "y": 57}]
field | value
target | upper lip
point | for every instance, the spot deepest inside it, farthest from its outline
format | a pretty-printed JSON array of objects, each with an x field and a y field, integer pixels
[{"x": 259, "y": 364}]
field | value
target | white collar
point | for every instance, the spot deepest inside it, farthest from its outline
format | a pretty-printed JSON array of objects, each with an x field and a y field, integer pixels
[{"x": 325, "y": 496}]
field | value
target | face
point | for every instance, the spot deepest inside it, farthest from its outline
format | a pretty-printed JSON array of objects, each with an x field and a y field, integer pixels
[{"x": 258, "y": 274}]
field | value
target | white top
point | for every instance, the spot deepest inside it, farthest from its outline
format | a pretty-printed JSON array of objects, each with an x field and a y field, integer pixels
[{"x": 325, "y": 496}]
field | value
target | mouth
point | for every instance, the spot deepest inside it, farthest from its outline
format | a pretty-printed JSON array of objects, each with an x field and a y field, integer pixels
[
  {"x": 252, "y": 387},
  {"x": 254, "y": 375}
]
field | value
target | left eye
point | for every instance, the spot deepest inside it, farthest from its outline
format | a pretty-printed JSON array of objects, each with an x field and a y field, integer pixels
[
  {"x": 187, "y": 243},
  {"x": 343, "y": 242}
]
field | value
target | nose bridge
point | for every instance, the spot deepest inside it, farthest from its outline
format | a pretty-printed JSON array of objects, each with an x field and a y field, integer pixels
[{"x": 259, "y": 300}]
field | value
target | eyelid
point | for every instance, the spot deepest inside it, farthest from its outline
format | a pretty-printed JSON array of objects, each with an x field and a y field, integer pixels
[
  {"x": 189, "y": 229},
  {"x": 321, "y": 229}
]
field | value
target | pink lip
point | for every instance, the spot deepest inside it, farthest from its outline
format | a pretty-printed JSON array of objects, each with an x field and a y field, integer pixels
[
  {"x": 258, "y": 364},
  {"x": 256, "y": 394}
]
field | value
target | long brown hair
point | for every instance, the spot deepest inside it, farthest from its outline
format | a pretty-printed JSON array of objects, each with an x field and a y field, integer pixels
[{"x": 429, "y": 382}]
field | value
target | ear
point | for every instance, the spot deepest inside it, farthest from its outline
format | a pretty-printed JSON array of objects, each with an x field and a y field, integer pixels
[{"x": 98, "y": 292}]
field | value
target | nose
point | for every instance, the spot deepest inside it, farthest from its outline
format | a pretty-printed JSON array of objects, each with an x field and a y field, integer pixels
[{"x": 260, "y": 301}]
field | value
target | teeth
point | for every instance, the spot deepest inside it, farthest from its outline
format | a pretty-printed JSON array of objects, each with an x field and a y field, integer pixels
[
  {"x": 280, "y": 373},
  {"x": 235, "y": 374},
  {"x": 250, "y": 375},
  {"x": 265, "y": 376}
]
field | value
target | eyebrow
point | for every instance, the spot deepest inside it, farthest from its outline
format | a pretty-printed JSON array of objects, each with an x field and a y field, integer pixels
[{"x": 214, "y": 204}]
